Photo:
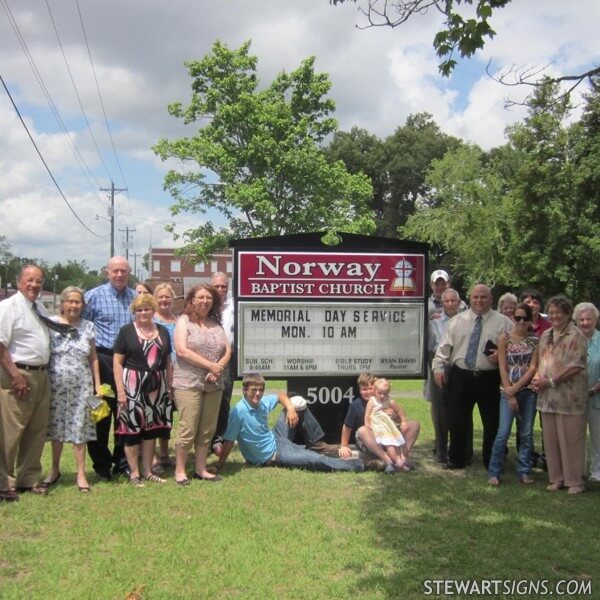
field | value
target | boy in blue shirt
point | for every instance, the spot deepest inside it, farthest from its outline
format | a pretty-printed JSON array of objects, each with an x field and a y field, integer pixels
[{"x": 249, "y": 426}]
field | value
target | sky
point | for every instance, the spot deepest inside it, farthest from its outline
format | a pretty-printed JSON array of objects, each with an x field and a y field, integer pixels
[{"x": 121, "y": 63}]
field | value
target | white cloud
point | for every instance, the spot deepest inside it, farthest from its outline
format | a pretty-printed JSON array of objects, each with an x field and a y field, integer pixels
[{"x": 379, "y": 77}]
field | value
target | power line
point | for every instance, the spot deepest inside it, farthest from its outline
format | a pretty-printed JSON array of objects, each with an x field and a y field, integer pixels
[
  {"x": 82, "y": 164},
  {"x": 44, "y": 162},
  {"x": 78, "y": 157},
  {"x": 100, "y": 94},
  {"x": 77, "y": 94}
]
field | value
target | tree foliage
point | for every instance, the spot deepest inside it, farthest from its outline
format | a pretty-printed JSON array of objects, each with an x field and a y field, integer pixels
[
  {"x": 263, "y": 143},
  {"x": 554, "y": 201},
  {"x": 464, "y": 32},
  {"x": 466, "y": 29},
  {"x": 527, "y": 214},
  {"x": 397, "y": 166},
  {"x": 464, "y": 220}
]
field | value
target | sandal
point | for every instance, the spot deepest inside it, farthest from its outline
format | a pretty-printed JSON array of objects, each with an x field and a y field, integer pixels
[
  {"x": 554, "y": 487},
  {"x": 576, "y": 489},
  {"x": 183, "y": 482},
  {"x": 493, "y": 481},
  {"x": 51, "y": 482},
  {"x": 84, "y": 489},
  {"x": 526, "y": 480},
  {"x": 154, "y": 478},
  {"x": 136, "y": 482}
]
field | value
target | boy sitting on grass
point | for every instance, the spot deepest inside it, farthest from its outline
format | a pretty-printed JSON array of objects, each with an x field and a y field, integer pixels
[{"x": 249, "y": 426}]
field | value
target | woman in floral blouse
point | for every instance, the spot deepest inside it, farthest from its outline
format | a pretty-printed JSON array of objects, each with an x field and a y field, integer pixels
[{"x": 563, "y": 397}]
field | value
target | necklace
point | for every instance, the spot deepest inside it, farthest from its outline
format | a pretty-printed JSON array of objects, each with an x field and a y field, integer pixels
[{"x": 145, "y": 332}]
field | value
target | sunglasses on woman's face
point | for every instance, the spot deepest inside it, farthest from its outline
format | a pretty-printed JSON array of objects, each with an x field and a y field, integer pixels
[{"x": 521, "y": 318}]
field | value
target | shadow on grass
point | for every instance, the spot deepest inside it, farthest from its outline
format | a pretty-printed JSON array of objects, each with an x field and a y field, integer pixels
[{"x": 433, "y": 524}]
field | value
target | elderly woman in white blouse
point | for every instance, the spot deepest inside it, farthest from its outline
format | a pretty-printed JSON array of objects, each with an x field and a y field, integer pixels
[{"x": 586, "y": 317}]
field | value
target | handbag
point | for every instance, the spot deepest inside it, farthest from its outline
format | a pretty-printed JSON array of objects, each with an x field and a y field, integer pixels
[{"x": 99, "y": 408}]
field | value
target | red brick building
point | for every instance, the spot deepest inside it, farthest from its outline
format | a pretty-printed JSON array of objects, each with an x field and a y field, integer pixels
[{"x": 181, "y": 274}]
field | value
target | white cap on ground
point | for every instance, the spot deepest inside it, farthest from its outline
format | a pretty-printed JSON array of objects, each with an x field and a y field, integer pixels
[{"x": 298, "y": 402}]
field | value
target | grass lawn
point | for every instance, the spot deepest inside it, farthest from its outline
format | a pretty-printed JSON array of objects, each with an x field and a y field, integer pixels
[{"x": 276, "y": 533}]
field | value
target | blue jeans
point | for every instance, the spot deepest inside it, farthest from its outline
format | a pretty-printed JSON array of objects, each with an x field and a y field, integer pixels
[
  {"x": 293, "y": 455},
  {"x": 526, "y": 400}
]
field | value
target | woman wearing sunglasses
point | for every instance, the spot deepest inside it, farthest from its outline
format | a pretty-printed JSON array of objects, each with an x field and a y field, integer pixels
[{"x": 517, "y": 362}]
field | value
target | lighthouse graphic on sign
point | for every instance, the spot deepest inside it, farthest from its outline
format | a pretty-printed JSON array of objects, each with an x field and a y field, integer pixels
[{"x": 403, "y": 282}]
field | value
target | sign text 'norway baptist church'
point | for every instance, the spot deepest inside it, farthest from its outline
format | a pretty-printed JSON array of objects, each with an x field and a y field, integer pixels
[{"x": 331, "y": 275}]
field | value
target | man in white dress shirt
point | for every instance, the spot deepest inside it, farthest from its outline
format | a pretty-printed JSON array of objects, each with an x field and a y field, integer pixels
[
  {"x": 466, "y": 362},
  {"x": 24, "y": 388}
]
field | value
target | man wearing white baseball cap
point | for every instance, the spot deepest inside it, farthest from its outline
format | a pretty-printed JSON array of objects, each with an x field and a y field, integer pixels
[{"x": 440, "y": 282}]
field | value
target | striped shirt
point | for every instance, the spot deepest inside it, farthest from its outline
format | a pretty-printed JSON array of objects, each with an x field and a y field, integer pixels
[{"x": 108, "y": 310}]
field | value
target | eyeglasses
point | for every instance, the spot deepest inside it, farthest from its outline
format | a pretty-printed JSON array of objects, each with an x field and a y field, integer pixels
[
  {"x": 144, "y": 310},
  {"x": 520, "y": 318},
  {"x": 256, "y": 390}
]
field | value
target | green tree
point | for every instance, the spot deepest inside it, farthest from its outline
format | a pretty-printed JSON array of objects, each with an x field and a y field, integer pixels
[
  {"x": 397, "y": 166},
  {"x": 263, "y": 143},
  {"x": 411, "y": 149},
  {"x": 554, "y": 200},
  {"x": 73, "y": 272},
  {"x": 466, "y": 29},
  {"x": 363, "y": 152},
  {"x": 6, "y": 257},
  {"x": 465, "y": 219},
  {"x": 463, "y": 32}
]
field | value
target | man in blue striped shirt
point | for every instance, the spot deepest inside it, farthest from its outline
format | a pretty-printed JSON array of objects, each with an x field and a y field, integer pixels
[{"x": 107, "y": 306}]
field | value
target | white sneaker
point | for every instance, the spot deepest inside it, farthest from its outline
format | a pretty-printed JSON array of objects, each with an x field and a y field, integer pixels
[
  {"x": 298, "y": 402},
  {"x": 593, "y": 479}
]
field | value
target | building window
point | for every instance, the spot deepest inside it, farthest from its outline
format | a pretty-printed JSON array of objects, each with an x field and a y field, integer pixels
[
  {"x": 199, "y": 268},
  {"x": 156, "y": 266},
  {"x": 214, "y": 266},
  {"x": 229, "y": 267},
  {"x": 175, "y": 266}
]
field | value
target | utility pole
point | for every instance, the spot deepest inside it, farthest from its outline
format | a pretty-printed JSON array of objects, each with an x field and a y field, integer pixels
[
  {"x": 127, "y": 232},
  {"x": 112, "y": 191},
  {"x": 135, "y": 255}
]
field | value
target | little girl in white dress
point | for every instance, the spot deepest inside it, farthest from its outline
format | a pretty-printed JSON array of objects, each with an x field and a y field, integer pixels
[{"x": 384, "y": 429}]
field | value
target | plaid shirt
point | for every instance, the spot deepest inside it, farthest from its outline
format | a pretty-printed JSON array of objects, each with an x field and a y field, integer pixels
[{"x": 108, "y": 310}]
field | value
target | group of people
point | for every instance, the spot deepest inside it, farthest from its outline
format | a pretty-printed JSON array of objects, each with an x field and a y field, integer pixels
[
  {"x": 509, "y": 362},
  {"x": 53, "y": 370},
  {"x": 512, "y": 362}
]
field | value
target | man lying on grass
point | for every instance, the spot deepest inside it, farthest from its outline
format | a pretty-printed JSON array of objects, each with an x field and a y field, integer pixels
[{"x": 248, "y": 425}]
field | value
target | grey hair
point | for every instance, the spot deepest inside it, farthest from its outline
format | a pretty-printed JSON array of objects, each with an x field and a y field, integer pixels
[
  {"x": 451, "y": 291},
  {"x": 69, "y": 290},
  {"x": 583, "y": 307},
  {"x": 508, "y": 296}
]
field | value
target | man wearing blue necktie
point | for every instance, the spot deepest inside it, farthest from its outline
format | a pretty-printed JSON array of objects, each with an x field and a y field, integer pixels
[{"x": 468, "y": 353}]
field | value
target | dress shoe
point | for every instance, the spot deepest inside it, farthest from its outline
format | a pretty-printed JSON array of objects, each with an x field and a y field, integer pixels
[
  {"x": 213, "y": 479},
  {"x": 9, "y": 496},
  {"x": 450, "y": 466},
  {"x": 378, "y": 465},
  {"x": 322, "y": 447},
  {"x": 103, "y": 477},
  {"x": 38, "y": 490}
]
